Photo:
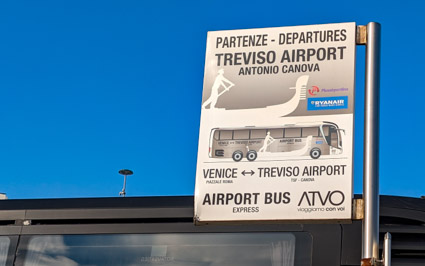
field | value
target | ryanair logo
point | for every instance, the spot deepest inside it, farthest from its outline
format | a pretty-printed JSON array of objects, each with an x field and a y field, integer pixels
[{"x": 327, "y": 103}]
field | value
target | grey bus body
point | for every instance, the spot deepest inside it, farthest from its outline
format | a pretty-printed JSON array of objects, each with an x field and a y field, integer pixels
[
  {"x": 154, "y": 231},
  {"x": 311, "y": 139}
]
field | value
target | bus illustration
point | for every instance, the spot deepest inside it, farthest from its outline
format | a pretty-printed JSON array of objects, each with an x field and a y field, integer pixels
[{"x": 310, "y": 139}]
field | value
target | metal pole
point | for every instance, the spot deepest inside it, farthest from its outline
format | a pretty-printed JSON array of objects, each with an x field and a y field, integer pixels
[
  {"x": 122, "y": 193},
  {"x": 370, "y": 249},
  {"x": 387, "y": 250}
]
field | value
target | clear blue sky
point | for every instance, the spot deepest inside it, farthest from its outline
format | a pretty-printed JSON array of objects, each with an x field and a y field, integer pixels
[{"x": 91, "y": 87}]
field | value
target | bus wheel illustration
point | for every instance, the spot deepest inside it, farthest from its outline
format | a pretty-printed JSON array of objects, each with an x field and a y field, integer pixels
[
  {"x": 315, "y": 153},
  {"x": 237, "y": 156},
  {"x": 251, "y": 155}
]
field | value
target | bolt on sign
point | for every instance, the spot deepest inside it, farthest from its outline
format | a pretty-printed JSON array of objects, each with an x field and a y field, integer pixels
[{"x": 276, "y": 133}]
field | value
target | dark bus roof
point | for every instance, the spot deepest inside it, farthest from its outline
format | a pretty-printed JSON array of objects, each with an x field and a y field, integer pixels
[
  {"x": 403, "y": 217},
  {"x": 389, "y": 205},
  {"x": 392, "y": 208}
]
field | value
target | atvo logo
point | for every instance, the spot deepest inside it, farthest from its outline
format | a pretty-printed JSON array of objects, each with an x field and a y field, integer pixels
[
  {"x": 335, "y": 198},
  {"x": 314, "y": 90}
]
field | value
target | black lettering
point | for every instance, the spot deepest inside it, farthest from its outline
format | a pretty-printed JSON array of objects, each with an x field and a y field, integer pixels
[
  {"x": 219, "y": 40},
  {"x": 219, "y": 59},
  {"x": 342, "y": 198},
  {"x": 207, "y": 199},
  {"x": 305, "y": 195},
  {"x": 282, "y": 38},
  {"x": 238, "y": 198},
  {"x": 286, "y": 198},
  {"x": 295, "y": 36},
  {"x": 331, "y": 52},
  {"x": 267, "y": 198},
  {"x": 229, "y": 197},
  {"x": 220, "y": 199},
  {"x": 344, "y": 36},
  {"x": 341, "y": 51},
  {"x": 300, "y": 55},
  {"x": 285, "y": 57}
]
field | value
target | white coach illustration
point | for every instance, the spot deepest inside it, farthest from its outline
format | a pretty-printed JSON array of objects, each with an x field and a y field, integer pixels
[{"x": 313, "y": 139}]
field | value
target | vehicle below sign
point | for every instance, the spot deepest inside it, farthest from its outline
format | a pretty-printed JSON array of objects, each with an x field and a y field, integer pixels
[{"x": 307, "y": 139}]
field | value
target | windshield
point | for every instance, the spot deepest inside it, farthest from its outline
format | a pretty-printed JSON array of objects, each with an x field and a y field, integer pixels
[
  {"x": 331, "y": 135},
  {"x": 202, "y": 249},
  {"x": 4, "y": 248}
]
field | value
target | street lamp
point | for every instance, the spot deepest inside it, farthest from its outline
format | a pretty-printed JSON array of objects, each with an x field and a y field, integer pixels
[{"x": 125, "y": 173}]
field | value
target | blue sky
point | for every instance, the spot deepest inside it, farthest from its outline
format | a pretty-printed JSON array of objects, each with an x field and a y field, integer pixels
[{"x": 91, "y": 87}]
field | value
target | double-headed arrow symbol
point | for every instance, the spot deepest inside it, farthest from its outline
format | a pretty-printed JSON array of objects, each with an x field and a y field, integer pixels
[{"x": 250, "y": 172}]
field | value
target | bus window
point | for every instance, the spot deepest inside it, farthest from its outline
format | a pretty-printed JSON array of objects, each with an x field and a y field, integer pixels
[
  {"x": 327, "y": 136},
  {"x": 258, "y": 133},
  {"x": 292, "y": 132},
  {"x": 325, "y": 131},
  {"x": 241, "y": 134},
  {"x": 226, "y": 134},
  {"x": 310, "y": 131},
  {"x": 276, "y": 133},
  {"x": 333, "y": 137},
  {"x": 4, "y": 248},
  {"x": 179, "y": 249}
]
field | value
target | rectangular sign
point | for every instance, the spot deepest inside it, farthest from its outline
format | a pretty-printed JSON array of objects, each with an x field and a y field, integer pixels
[{"x": 276, "y": 133}]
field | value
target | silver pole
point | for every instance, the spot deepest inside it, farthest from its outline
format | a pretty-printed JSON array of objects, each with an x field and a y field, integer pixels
[
  {"x": 371, "y": 144},
  {"x": 387, "y": 250},
  {"x": 122, "y": 193}
]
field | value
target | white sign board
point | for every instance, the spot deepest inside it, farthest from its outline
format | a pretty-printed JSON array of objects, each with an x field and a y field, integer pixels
[{"x": 276, "y": 134}]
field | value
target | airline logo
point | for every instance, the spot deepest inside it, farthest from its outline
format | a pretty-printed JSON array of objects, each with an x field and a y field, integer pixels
[
  {"x": 313, "y": 91},
  {"x": 327, "y": 103}
]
